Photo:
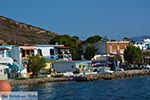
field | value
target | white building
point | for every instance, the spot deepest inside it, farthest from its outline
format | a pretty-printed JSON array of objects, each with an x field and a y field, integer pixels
[
  {"x": 53, "y": 52},
  {"x": 100, "y": 45},
  {"x": 20, "y": 53},
  {"x": 11, "y": 67},
  {"x": 3, "y": 75},
  {"x": 145, "y": 45},
  {"x": 49, "y": 52},
  {"x": 70, "y": 66}
]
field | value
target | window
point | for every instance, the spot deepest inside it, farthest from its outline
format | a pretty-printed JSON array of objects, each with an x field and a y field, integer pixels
[
  {"x": 32, "y": 52},
  {"x": 110, "y": 47},
  {"x": 118, "y": 47},
  {"x": 40, "y": 52},
  {"x": 51, "y": 51},
  {"x": 67, "y": 51},
  {"x": 125, "y": 46},
  {"x": 72, "y": 66},
  {"x": 1, "y": 53},
  {"x": 147, "y": 45}
]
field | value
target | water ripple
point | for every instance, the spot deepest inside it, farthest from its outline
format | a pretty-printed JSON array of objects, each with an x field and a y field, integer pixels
[{"x": 121, "y": 89}]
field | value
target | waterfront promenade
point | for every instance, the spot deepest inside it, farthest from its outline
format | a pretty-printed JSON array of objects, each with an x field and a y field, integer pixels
[{"x": 89, "y": 77}]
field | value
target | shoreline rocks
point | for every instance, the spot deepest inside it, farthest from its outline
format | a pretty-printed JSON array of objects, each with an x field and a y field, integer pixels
[
  {"x": 89, "y": 77},
  {"x": 116, "y": 75},
  {"x": 38, "y": 80}
]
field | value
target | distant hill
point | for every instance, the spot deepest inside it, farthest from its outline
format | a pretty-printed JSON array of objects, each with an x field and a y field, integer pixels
[
  {"x": 140, "y": 38},
  {"x": 14, "y": 32}
]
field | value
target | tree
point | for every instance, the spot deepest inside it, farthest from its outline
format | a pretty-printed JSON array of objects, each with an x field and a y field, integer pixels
[
  {"x": 133, "y": 54},
  {"x": 146, "y": 57},
  {"x": 127, "y": 39},
  {"x": 35, "y": 64},
  {"x": 90, "y": 52},
  {"x": 65, "y": 39},
  {"x": 93, "y": 39},
  {"x": 118, "y": 57}
]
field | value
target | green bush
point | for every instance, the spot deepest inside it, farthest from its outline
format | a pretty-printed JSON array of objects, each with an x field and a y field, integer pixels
[
  {"x": 22, "y": 78},
  {"x": 58, "y": 75}
]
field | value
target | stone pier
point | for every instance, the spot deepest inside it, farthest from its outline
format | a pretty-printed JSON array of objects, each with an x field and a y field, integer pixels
[
  {"x": 116, "y": 75},
  {"x": 89, "y": 77}
]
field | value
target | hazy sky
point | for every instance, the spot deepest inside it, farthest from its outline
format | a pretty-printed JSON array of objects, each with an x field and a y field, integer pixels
[{"x": 83, "y": 18}]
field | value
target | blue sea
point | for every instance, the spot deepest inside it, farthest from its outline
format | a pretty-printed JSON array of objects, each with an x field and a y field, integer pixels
[{"x": 137, "y": 88}]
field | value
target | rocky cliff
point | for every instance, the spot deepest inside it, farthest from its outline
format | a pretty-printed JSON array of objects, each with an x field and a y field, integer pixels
[{"x": 18, "y": 33}]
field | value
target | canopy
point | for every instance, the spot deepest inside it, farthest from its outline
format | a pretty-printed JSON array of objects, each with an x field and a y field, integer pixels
[{"x": 27, "y": 47}]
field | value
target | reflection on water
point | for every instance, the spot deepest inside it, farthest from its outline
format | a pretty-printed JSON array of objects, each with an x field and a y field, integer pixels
[{"x": 121, "y": 89}]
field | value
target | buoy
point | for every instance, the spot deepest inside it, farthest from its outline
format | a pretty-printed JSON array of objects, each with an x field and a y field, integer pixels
[{"x": 5, "y": 87}]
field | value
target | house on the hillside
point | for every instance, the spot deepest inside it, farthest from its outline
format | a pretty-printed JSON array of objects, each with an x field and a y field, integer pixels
[
  {"x": 100, "y": 45},
  {"x": 63, "y": 52},
  {"x": 21, "y": 53},
  {"x": 116, "y": 47},
  {"x": 49, "y": 52},
  {"x": 109, "y": 47},
  {"x": 54, "y": 52}
]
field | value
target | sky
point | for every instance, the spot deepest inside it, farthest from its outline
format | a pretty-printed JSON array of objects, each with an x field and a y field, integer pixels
[{"x": 115, "y": 19}]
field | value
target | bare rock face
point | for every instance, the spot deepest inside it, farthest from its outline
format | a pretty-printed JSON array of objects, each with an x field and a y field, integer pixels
[{"x": 14, "y": 32}]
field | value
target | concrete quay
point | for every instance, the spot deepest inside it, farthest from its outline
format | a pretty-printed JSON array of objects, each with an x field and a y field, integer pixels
[
  {"x": 89, "y": 77},
  {"x": 38, "y": 80}
]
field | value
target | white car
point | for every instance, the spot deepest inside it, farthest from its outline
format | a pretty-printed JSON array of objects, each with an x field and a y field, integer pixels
[{"x": 147, "y": 66}]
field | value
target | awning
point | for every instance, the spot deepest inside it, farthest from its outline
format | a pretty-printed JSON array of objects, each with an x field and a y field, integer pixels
[
  {"x": 4, "y": 49},
  {"x": 27, "y": 47}
]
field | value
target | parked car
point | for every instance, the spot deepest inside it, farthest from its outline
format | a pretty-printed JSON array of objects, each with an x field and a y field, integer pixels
[
  {"x": 147, "y": 66},
  {"x": 100, "y": 63}
]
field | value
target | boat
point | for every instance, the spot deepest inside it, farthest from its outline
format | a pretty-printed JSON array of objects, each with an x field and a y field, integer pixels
[{"x": 105, "y": 70}]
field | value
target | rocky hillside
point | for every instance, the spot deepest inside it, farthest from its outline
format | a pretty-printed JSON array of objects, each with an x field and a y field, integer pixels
[{"x": 18, "y": 33}]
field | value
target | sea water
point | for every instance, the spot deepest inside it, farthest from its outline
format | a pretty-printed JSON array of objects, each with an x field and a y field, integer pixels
[{"x": 137, "y": 88}]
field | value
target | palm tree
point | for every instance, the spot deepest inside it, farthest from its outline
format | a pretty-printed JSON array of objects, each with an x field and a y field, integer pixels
[{"x": 35, "y": 64}]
